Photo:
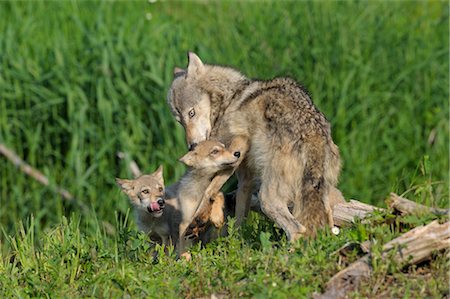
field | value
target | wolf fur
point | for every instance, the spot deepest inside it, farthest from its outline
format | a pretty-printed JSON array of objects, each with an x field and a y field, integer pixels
[{"x": 287, "y": 140}]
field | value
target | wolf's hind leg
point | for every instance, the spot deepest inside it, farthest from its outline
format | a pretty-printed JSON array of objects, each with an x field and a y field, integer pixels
[
  {"x": 273, "y": 204},
  {"x": 328, "y": 211}
]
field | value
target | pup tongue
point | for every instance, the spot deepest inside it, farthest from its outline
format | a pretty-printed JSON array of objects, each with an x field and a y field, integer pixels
[{"x": 155, "y": 206}]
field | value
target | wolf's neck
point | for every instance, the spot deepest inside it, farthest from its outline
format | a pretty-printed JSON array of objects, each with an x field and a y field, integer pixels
[{"x": 224, "y": 86}]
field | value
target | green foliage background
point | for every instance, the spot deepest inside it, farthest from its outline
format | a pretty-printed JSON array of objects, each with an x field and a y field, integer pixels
[{"x": 80, "y": 81}]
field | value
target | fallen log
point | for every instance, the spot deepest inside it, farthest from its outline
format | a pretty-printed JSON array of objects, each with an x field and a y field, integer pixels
[
  {"x": 405, "y": 206},
  {"x": 413, "y": 247},
  {"x": 346, "y": 212}
]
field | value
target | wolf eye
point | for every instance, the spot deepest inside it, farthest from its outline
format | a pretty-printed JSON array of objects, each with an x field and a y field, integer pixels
[
  {"x": 191, "y": 113},
  {"x": 160, "y": 189},
  {"x": 214, "y": 152},
  {"x": 145, "y": 191}
]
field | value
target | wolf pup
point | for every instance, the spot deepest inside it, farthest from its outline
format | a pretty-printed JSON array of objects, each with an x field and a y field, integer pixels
[
  {"x": 286, "y": 141},
  {"x": 204, "y": 161},
  {"x": 155, "y": 215}
]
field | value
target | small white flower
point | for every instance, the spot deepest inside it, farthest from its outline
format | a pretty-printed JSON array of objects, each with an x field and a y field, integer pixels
[
  {"x": 274, "y": 284},
  {"x": 152, "y": 1},
  {"x": 335, "y": 230},
  {"x": 148, "y": 16}
]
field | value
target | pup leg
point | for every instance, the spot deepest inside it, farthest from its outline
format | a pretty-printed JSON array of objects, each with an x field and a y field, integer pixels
[
  {"x": 183, "y": 243},
  {"x": 217, "y": 218}
]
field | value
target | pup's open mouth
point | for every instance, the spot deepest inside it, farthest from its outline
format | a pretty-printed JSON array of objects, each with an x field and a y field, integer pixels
[{"x": 155, "y": 207}]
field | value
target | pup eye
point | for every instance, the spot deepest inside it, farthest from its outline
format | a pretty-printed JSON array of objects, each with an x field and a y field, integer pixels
[
  {"x": 160, "y": 189},
  {"x": 145, "y": 191},
  {"x": 191, "y": 113},
  {"x": 214, "y": 152}
]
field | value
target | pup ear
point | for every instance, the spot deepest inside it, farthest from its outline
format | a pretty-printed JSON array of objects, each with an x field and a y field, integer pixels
[
  {"x": 195, "y": 66},
  {"x": 187, "y": 159},
  {"x": 159, "y": 174},
  {"x": 125, "y": 185},
  {"x": 178, "y": 71}
]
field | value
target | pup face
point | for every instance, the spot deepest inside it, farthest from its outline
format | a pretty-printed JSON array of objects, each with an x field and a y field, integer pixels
[
  {"x": 210, "y": 156},
  {"x": 191, "y": 106},
  {"x": 146, "y": 193}
]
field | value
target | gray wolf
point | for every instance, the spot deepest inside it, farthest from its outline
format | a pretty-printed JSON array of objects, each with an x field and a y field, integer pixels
[
  {"x": 284, "y": 140},
  {"x": 165, "y": 214}
]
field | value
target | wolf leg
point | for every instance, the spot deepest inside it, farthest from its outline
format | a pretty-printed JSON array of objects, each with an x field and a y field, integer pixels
[
  {"x": 328, "y": 210},
  {"x": 272, "y": 204},
  {"x": 243, "y": 194},
  {"x": 182, "y": 243},
  {"x": 217, "y": 218}
]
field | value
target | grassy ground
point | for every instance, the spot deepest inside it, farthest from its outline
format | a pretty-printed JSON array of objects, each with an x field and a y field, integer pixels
[
  {"x": 80, "y": 81},
  {"x": 256, "y": 262}
]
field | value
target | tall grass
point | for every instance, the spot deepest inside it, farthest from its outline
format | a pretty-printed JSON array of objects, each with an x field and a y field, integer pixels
[{"x": 80, "y": 81}]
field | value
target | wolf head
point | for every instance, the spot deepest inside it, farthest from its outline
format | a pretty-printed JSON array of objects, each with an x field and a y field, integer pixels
[
  {"x": 146, "y": 193},
  {"x": 210, "y": 156},
  {"x": 189, "y": 97}
]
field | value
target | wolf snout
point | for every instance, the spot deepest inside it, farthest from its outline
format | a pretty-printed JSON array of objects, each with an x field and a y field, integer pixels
[{"x": 160, "y": 201}]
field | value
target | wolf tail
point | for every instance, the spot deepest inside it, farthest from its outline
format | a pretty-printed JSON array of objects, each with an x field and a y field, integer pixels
[{"x": 321, "y": 171}]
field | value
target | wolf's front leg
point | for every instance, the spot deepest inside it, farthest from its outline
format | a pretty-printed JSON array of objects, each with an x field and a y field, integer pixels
[{"x": 244, "y": 193}]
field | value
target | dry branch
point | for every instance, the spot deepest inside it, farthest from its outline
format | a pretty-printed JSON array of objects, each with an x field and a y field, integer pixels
[
  {"x": 36, "y": 174},
  {"x": 413, "y": 247},
  {"x": 406, "y": 206}
]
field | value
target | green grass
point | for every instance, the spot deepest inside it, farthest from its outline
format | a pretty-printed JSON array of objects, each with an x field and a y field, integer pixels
[
  {"x": 256, "y": 262},
  {"x": 80, "y": 81}
]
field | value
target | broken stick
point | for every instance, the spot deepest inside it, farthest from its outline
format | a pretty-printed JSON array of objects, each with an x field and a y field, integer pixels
[
  {"x": 134, "y": 168},
  {"x": 413, "y": 247},
  {"x": 406, "y": 206}
]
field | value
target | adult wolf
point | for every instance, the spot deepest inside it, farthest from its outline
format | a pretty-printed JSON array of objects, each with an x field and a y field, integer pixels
[{"x": 284, "y": 141}]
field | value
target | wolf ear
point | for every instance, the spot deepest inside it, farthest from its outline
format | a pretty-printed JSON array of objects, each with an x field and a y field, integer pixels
[
  {"x": 159, "y": 174},
  {"x": 178, "y": 71},
  {"x": 125, "y": 185},
  {"x": 195, "y": 66},
  {"x": 187, "y": 159}
]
